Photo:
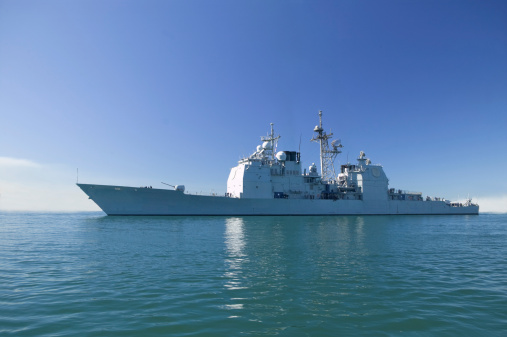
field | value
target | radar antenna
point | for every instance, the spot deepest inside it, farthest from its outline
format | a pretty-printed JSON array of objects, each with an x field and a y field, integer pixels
[
  {"x": 327, "y": 154},
  {"x": 272, "y": 140}
]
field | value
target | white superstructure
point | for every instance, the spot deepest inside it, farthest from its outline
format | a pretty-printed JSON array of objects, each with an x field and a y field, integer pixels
[{"x": 271, "y": 182}]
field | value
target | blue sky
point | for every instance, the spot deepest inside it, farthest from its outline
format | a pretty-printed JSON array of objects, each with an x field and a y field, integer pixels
[{"x": 139, "y": 92}]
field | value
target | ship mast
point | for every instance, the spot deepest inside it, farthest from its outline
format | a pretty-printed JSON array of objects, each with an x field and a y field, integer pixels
[
  {"x": 272, "y": 140},
  {"x": 327, "y": 155}
]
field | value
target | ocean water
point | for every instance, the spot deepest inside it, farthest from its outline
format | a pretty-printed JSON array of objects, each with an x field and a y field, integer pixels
[{"x": 86, "y": 274}]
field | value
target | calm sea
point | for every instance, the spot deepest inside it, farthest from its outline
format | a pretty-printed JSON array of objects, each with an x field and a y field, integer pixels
[{"x": 86, "y": 274}]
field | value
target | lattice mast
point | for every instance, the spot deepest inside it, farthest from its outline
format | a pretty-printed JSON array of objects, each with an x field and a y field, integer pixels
[{"x": 327, "y": 154}]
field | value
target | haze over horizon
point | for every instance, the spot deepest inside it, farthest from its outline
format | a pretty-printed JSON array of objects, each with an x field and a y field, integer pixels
[{"x": 135, "y": 93}]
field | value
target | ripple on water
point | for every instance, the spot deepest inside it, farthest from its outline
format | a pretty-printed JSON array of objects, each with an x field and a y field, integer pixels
[{"x": 84, "y": 274}]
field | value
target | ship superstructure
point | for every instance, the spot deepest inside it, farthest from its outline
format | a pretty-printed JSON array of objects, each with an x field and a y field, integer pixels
[
  {"x": 271, "y": 182},
  {"x": 264, "y": 175}
]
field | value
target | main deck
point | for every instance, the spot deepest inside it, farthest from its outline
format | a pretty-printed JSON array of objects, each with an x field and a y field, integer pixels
[{"x": 123, "y": 200}]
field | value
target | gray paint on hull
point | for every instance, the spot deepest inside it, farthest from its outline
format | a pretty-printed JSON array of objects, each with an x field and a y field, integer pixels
[{"x": 122, "y": 200}]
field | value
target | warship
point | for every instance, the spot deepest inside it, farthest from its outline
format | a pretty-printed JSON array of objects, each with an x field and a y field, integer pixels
[{"x": 271, "y": 182}]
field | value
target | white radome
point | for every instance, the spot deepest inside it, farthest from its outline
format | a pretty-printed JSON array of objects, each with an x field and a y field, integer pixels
[{"x": 281, "y": 156}]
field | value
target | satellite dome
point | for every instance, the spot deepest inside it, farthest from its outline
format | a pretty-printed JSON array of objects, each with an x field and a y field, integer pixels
[
  {"x": 281, "y": 156},
  {"x": 266, "y": 146}
]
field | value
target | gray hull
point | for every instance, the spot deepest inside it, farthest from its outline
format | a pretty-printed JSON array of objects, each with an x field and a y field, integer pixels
[{"x": 122, "y": 200}]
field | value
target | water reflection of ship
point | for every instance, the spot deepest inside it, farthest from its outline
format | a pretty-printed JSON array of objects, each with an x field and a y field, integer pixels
[
  {"x": 234, "y": 260},
  {"x": 235, "y": 257}
]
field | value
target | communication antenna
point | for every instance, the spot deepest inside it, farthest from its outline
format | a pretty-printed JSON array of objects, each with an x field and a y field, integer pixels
[
  {"x": 273, "y": 140},
  {"x": 327, "y": 154},
  {"x": 77, "y": 175}
]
